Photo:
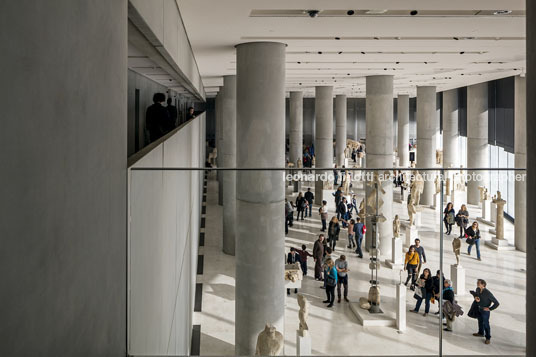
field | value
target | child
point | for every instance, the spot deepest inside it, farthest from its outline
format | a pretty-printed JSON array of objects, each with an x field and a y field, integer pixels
[
  {"x": 303, "y": 257},
  {"x": 351, "y": 242}
]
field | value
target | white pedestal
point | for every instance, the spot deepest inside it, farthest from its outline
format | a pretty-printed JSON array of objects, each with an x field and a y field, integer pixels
[
  {"x": 437, "y": 201},
  {"x": 396, "y": 261},
  {"x": 418, "y": 218},
  {"x": 397, "y": 162},
  {"x": 346, "y": 162},
  {"x": 411, "y": 233},
  {"x": 401, "y": 307},
  {"x": 367, "y": 319},
  {"x": 457, "y": 275},
  {"x": 499, "y": 244},
  {"x": 293, "y": 285},
  {"x": 359, "y": 162},
  {"x": 486, "y": 210},
  {"x": 303, "y": 344},
  {"x": 493, "y": 213}
]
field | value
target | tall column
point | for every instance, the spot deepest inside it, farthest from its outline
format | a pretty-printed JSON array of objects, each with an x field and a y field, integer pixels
[
  {"x": 229, "y": 161},
  {"x": 296, "y": 127},
  {"x": 520, "y": 115},
  {"x": 477, "y": 139},
  {"x": 427, "y": 131},
  {"x": 351, "y": 122},
  {"x": 450, "y": 129},
  {"x": 219, "y": 143},
  {"x": 340, "y": 127},
  {"x": 379, "y": 117},
  {"x": 403, "y": 130},
  {"x": 260, "y": 288},
  {"x": 323, "y": 134}
]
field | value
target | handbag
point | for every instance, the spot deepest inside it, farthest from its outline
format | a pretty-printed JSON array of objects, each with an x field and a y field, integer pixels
[
  {"x": 450, "y": 218},
  {"x": 418, "y": 293},
  {"x": 474, "y": 312},
  {"x": 330, "y": 281},
  {"x": 470, "y": 241}
]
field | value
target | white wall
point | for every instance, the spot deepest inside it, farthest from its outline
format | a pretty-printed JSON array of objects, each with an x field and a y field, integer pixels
[{"x": 165, "y": 213}]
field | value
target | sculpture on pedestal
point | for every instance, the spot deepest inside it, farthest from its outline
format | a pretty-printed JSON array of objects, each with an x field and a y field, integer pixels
[
  {"x": 347, "y": 182},
  {"x": 293, "y": 272},
  {"x": 303, "y": 314},
  {"x": 499, "y": 225},
  {"x": 396, "y": 227},
  {"x": 456, "y": 247},
  {"x": 299, "y": 164},
  {"x": 417, "y": 188},
  {"x": 212, "y": 157},
  {"x": 483, "y": 193},
  {"x": 411, "y": 212},
  {"x": 347, "y": 152},
  {"x": 437, "y": 183},
  {"x": 269, "y": 342}
]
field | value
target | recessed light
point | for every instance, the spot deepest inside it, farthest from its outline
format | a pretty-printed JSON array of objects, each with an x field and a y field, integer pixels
[
  {"x": 397, "y": 62},
  {"x": 425, "y": 62},
  {"x": 340, "y": 52},
  {"x": 319, "y": 52},
  {"x": 362, "y": 52},
  {"x": 413, "y": 12},
  {"x": 502, "y": 12},
  {"x": 350, "y": 12},
  {"x": 337, "y": 38},
  {"x": 462, "y": 52},
  {"x": 455, "y": 38},
  {"x": 299, "y": 62},
  {"x": 348, "y": 74},
  {"x": 376, "y": 38}
]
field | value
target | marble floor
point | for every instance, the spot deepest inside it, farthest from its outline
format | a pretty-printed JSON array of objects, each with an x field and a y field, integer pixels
[{"x": 336, "y": 331}]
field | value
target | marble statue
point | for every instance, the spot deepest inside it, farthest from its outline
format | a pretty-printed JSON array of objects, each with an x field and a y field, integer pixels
[
  {"x": 313, "y": 161},
  {"x": 269, "y": 342},
  {"x": 293, "y": 272},
  {"x": 362, "y": 210},
  {"x": 212, "y": 157},
  {"x": 347, "y": 152},
  {"x": 486, "y": 195},
  {"x": 417, "y": 188},
  {"x": 364, "y": 303},
  {"x": 448, "y": 185},
  {"x": 374, "y": 295},
  {"x": 396, "y": 227},
  {"x": 439, "y": 157},
  {"x": 303, "y": 303},
  {"x": 299, "y": 164},
  {"x": 483, "y": 191},
  {"x": 411, "y": 212},
  {"x": 456, "y": 248},
  {"x": 499, "y": 224},
  {"x": 347, "y": 182},
  {"x": 437, "y": 183},
  {"x": 371, "y": 198}
]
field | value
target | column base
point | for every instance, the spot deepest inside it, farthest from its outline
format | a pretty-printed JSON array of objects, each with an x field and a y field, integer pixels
[
  {"x": 367, "y": 319},
  {"x": 457, "y": 275},
  {"x": 500, "y": 244},
  {"x": 485, "y": 221}
]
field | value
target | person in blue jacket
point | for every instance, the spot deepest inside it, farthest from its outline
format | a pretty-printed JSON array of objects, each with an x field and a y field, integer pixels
[{"x": 331, "y": 281}]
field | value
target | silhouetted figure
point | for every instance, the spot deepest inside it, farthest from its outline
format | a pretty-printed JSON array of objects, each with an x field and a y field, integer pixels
[
  {"x": 156, "y": 117},
  {"x": 191, "y": 113},
  {"x": 172, "y": 113}
]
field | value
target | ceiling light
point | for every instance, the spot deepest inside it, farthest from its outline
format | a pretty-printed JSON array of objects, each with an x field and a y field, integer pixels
[
  {"x": 319, "y": 52},
  {"x": 502, "y": 12},
  {"x": 462, "y": 52},
  {"x": 299, "y": 62},
  {"x": 362, "y": 52},
  {"x": 337, "y": 38},
  {"x": 397, "y": 62},
  {"x": 413, "y": 12},
  {"x": 312, "y": 13},
  {"x": 455, "y": 38},
  {"x": 350, "y": 12},
  {"x": 376, "y": 38}
]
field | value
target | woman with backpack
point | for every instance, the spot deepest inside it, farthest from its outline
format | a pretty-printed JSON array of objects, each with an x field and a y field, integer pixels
[
  {"x": 473, "y": 238},
  {"x": 462, "y": 219},
  {"x": 333, "y": 232},
  {"x": 449, "y": 217},
  {"x": 301, "y": 204},
  {"x": 331, "y": 281}
]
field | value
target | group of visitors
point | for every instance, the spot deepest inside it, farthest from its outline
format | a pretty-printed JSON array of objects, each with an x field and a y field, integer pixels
[
  {"x": 303, "y": 206},
  {"x": 160, "y": 120},
  {"x": 308, "y": 155},
  {"x": 471, "y": 233}
]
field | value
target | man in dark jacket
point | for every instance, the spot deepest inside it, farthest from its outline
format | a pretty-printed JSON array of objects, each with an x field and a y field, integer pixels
[
  {"x": 486, "y": 303},
  {"x": 358, "y": 235},
  {"x": 172, "y": 113},
  {"x": 318, "y": 254},
  {"x": 342, "y": 211},
  {"x": 293, "y": 257},
  {"x": 309, "y": 196},
  {"x": 156, "y": 117}
]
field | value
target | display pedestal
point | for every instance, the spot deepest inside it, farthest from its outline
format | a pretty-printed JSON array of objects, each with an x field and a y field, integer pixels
[
  {"x": 303, "y": 344},
  {"x": 486, "y": 213},
  {"x": 401, "y": 307},
  {"x": 396, "y": 261},
  {"x": 493, "y": 213},
  {"x": 418, "y": 218},
  {"x": 437, "y": 201},
  {"x": 457, "y": 275},
  {"x": 499, "y": 244},
  {"x": 411, "y": 234},
  {"x": 346, "y": 162},
  {"x": 296, "y": 186},
  {"x": 365, "y": 318}
]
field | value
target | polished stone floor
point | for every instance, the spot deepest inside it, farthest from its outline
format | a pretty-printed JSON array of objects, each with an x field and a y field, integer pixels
[{"x": 336, "y": 331}]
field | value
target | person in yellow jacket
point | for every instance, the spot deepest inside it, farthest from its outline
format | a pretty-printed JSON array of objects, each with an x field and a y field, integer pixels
[{"x": 410, "y": 264}]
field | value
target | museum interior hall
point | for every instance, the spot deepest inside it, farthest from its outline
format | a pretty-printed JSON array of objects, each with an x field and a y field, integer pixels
[{"x": 272, "y": 178}]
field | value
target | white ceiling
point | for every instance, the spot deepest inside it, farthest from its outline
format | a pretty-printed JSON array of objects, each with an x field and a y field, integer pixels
[{"x": 417, "y": 50}]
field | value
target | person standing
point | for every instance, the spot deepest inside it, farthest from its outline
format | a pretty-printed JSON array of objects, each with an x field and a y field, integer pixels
[
  {"x": 301, "y": 203},
  {"x": 448, "y": 295},
  {"x": 448, "y": 217},
  {"x": 411, "y": 262},
  {"x": 156, "y": 117},
  {"x": 462, "y": 219},
  {"x": 323, "y": 210},
  {"x": 351, "y": 243},
  {"x": 425, "y": 284},
  {"x": 342, "y": 212},
  {"x": 172, "y": 114},
  {"x": 331, "y": 282},
  {"x": 191, "y": 113},
  {"x": 292, "y": 258},
  {"x": 342, "y": 277},
  {"x": 422, "y": 255},
  {"x": 486, "y": 303},
  {"x": 359, "y": 230},
  {"x": 335, "y": 175},
  {"x": 333, "y": 232},
  {"x": 304, "y": 254},
  {"x": 289, "y": 212},
  {"x": 318, "y": 255},
  {"x": 338, "y": 199},
  {"x": 309, "y": 197},
  {"x": 473, "y": 238}
]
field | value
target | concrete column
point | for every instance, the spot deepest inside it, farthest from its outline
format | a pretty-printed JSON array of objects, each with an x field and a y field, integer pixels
[
  {"x": 520, "y": 115},
  {"x": 531, "y": 177},
  {"x": 403, "y": 130},
  {"x": 340, "y": 126},
  {"x": 64, "y": 177},
  {"x": 260, "y": 289},
  {"x": 451, "y": 145},
  {"x": 379, "y": 117},
  {"x": 229, "y": 161},
  {"x": 296, "y": 127},
  {"x": 323, "y": 134},
  {"x": 477, "y": 139},
  {"x": 219, "y": 143},
  {"x": 427, "y": 131}
]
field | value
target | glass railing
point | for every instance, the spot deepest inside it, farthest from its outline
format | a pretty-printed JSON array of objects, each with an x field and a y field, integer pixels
[{"x": 429, "y": 242}]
